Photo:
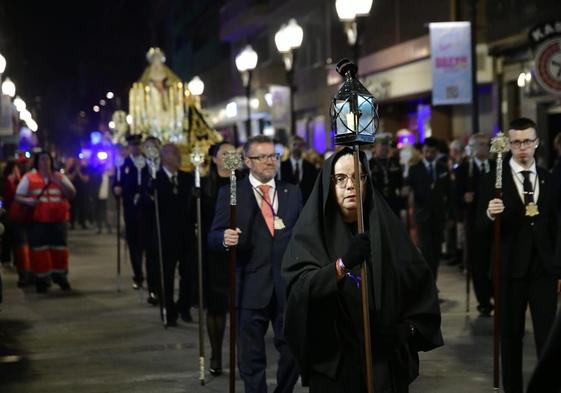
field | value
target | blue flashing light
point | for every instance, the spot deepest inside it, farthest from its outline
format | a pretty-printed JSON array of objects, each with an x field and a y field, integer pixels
[
  {"x": 27, "y": 154},
  {"x": 102, "y": 155},
  {"x": 81, "y": 156},
  {"x": 96, "y": 137}
]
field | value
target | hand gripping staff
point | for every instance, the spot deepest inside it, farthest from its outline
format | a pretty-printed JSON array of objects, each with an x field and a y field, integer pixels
[
  {"x": 232, "y": 161},
  {"x": 152, "y": 154},
  {"x": 197, "y": 158},
  {"x": 499, "y": 145}
]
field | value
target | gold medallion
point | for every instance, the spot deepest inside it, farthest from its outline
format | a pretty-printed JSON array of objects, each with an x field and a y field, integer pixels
[
  {"x": 532, "y": 209},
  {"x": 278, "y": 223}
]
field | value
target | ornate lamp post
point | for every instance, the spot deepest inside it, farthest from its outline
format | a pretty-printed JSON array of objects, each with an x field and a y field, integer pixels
[
  {"x": 288, "y": 39},
  {"x": 246, "y": 61},
  {"x": 2, "y": 64},
  {"x": 348, "y": 12}
]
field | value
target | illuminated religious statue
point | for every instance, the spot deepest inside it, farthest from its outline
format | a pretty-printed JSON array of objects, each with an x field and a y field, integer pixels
[{"x": 161, "y": 105}]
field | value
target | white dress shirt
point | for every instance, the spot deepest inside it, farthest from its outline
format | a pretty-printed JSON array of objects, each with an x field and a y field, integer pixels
[
  {"x": 518, "y": 178},
  {"x": 483, "y": 166},
  {"x": 299, "y": 162},
  {"x": 257, "y": 192}
]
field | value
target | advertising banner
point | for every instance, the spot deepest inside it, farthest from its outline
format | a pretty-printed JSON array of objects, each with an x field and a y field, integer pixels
[{"x": 451, "y": 63}]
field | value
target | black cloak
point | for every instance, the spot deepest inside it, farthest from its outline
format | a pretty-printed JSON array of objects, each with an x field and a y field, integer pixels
[{"x": 323, "y": 317}]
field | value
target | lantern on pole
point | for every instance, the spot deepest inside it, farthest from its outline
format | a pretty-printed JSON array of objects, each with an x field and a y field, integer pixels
[{"x": 354, "y": 111}]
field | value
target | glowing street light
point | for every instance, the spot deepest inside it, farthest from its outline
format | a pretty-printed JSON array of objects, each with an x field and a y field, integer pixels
[
  {"x": 288, "y": 39},
  {"x": 196, "y": 86},
  {"x": 348, "y": 11},
  {"x": 96, "y": 108},
  {"x": 19, "y": 104},
  {"x": 246, "y": 61},
  {"x": 109, "y": 95},
  {"x": 9, "y": 88},
  {"x": 2, "y": 64}
]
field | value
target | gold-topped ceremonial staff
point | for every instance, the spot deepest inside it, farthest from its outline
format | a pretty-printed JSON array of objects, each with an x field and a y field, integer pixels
[
  {"x": 354, "y": 116},
  {"x": 499, "y": 145},
  {"x": 152, "y": 155},
  {"x": 197, "y": 159},
  {"x": 232, "y": 162}
]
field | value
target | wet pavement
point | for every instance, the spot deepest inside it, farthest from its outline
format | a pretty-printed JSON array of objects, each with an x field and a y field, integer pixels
[{"x": 97, "y": 340}]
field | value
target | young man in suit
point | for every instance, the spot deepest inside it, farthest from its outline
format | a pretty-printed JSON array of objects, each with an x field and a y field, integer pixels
[
  {"x": 429, "y": 180},
  {"x": 298, "y": 171},
  {"x": 130, "y": 184},
  {"x": 267, "y": 211},
  {"x": 477, "y": 243},
  {"x": 531, "y": 271}
]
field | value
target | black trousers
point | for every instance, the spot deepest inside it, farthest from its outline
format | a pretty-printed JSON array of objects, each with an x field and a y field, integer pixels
[
  {"x": 540, "y": 292},
  {"x": 478, "y": 253},
  {"x": 430, "y": 234},
  {"x": 252, "y": 359},
  {"x": 177, "y": 261},
  {"x": 133, "y": 233}
]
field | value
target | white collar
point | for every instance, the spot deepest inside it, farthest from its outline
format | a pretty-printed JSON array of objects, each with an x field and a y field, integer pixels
[
  {"x": 294, "y": 161},
  {"x": 168, "y": 172},
  {"x": 256, "y": 183},
  {"x": 517, "y": 168},
  {"x": 427, "y": 163}
]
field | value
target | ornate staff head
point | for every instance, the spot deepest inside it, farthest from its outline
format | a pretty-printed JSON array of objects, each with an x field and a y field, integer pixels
[
  {"x": 197, "y": 158},
  {"x": 499, "y": 146},
  {"x": 232, "y": 162}
]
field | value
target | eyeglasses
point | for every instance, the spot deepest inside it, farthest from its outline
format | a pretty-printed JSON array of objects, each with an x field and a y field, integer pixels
[
  {"x": 525, "y": 143},
  {"x": 263, "y": 158},
  {"x": 341, "y": 180}
]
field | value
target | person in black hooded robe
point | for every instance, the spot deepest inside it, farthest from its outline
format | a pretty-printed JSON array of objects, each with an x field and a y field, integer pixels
[{"x": 323, "y": 323}]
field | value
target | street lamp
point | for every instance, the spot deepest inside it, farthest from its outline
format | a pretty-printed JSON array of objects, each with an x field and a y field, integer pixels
[
  {"x": 246, "y": 61},
  {"x": 2, "y": 64},
  {"x": 196, "y": 86},
  {"x": 348, "y": 12},
  {"x": 19, "y": 104},
  {"x": 9, "y": 88},
  {"x": 288, "y": 39}
]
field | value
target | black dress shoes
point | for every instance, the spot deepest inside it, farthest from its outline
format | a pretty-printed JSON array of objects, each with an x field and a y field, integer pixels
[
  {"x": 153, "y": 299},
  {"x": 171, "y": 323},
  {"x": 186, "y": 317},
  {"x": 136, "y": 285},
  {"x": 485, "y": 310}
]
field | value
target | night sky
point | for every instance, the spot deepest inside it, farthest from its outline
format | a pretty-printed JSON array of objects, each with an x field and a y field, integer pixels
[{"x": 64, "y": 56}]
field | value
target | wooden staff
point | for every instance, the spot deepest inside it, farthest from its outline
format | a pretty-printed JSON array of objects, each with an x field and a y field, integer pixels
[
  {"x": 197, "y": 158},
  {"x": 499, "y": 145},
  {"x": 232, "y": 161},
  {"x": 363, "y": 276},
  {"x": 468, "y": 234}
]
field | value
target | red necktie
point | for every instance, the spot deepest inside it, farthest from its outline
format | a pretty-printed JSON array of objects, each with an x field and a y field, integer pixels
[{"x": 267, "y": 208}]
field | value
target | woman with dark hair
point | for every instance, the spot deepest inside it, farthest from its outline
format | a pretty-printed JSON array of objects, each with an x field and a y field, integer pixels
[
  {"x": 216, "y": 264},
  {"x": 47, "y": 192},
  {"x": 323, "y": 323}
]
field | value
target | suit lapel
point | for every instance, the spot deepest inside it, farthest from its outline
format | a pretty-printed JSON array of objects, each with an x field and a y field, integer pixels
[
  {"x": 282, "y": 195},
  {"x": 510, "y": 190}
]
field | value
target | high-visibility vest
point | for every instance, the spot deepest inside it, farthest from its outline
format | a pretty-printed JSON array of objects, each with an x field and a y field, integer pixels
[{"x": 52, "y": 206}]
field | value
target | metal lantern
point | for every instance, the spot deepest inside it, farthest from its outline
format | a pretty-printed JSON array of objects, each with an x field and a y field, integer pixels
[{"x": 354, "y": 111}]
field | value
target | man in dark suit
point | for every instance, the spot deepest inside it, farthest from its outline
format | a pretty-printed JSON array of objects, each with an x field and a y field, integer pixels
[
  {"x": 429, "y": 180},
  {"x": 267, "y": 212},
  {"x": 387, "y": 174},
  {"x": 130, "y": 184},
  {"x": 298, "y": 171},
  {"x": 477, "y": 245},
  {"x": 174, "y": 188},
  {"x": 529, "y": 237}
]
